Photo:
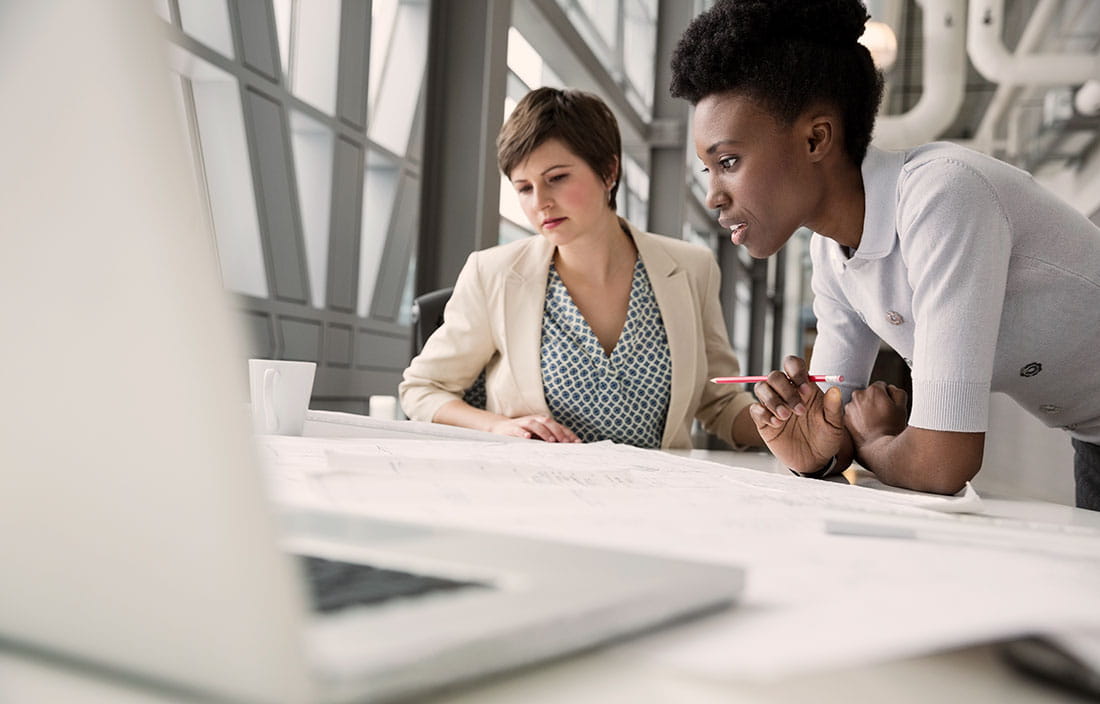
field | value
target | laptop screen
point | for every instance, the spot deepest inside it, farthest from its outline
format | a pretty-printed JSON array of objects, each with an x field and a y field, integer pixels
[{"x": 131, "y": 508}]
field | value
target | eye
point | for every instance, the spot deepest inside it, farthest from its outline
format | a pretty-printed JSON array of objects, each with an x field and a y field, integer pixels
[
  {"x": 727, "y": 162},
  {"x": 557, "y": 177},
  {"x": 524, "y": 188},
  {"x": 704, "y": 170}
]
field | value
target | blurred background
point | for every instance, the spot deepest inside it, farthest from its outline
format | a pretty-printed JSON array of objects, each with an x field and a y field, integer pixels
[{"x": 345, "y": 153}]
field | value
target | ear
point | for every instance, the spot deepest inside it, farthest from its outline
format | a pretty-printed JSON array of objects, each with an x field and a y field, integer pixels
[
  {"x": 821, "y": 135},
  {"x": 612, "y": 173}
]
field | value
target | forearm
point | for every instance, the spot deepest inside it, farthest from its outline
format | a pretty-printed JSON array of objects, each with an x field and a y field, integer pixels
[
  {"x": 464, "y": 415},
  {"x": 923, "y": 460}
]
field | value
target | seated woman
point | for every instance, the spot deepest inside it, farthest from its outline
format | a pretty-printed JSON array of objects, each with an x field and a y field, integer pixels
[{"x": 592, "y": 330}]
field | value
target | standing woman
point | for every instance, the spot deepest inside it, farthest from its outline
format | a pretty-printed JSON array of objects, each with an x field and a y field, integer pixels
[
  {"x": 980, "y": 279},
  {"x": 591, "y": 330}
]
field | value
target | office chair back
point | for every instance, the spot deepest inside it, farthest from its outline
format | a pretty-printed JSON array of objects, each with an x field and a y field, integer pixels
[{"x": 427, "y": 316}]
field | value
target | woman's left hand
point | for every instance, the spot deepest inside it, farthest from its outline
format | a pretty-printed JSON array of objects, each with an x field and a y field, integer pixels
[{"x": 874, "y": 412}]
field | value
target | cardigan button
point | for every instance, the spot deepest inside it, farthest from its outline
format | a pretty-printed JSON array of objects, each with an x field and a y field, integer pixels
[
  {"x": 894, "y": 318},
  {"x": 1031, "y": 369}
]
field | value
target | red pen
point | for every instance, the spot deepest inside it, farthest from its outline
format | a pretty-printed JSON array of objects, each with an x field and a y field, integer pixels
[{"x": 827, "y": 378}]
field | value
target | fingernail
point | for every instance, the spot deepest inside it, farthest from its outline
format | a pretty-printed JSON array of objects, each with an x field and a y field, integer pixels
[
  {"x": 783, "y": 412},
  {"x": 805, "y": 388},
  {"x": 776, "y": 422},
  {"x": 799, "y": 409}
]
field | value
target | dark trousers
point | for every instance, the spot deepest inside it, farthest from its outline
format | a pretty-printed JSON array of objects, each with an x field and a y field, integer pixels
[{"x": 1086, "y": 473}]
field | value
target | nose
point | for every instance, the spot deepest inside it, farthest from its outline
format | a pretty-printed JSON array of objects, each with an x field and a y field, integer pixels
[
  {"x": 542, "y": 196},
  {"x": 717, "y": 198}
]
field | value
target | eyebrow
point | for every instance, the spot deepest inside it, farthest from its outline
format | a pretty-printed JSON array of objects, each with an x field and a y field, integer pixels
[
  {"x": 548, "y": 168},
  {"x": 714, "y": 147}
]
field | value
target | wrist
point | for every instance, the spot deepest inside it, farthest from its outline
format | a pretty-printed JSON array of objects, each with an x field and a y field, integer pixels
[
  {"x": 491, "y": 422},
  {"x": 871, "y": 452},
  {"x": 828, "y": 469}
]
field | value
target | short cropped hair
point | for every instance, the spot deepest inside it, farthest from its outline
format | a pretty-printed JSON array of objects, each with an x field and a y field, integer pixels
[
  {"x": 580, "y": 120},
  {"x": 787, "y": 54}
]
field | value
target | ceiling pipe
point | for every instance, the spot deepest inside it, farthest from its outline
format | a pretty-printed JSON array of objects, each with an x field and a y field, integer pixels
[
  {"x": 944, "y": 67},
  {"x": 985, "y": 138},
  {"x": 991, "y": 58}
]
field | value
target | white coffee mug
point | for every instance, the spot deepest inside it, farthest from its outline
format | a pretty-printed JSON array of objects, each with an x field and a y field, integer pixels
[
  {"x": 280, "y": 394},
  {"x": 384, "y": 407}
]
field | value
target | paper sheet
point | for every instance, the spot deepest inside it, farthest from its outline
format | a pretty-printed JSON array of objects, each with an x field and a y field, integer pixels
[{"x": 813, "y": 598}]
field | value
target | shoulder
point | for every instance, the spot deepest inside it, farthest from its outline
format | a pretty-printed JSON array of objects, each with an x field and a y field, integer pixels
[
  {"x": 957, "y": 172},
  {"x": 674, "y": 252},
  {"x": 505, "y": 257}
]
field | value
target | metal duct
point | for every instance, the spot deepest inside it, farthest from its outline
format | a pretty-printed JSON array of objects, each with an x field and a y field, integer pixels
[
  {"x": 991, "y": 58},
  {"x": 944, "y": 66}
]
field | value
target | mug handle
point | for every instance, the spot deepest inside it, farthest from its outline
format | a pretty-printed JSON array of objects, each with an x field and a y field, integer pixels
[{"x": 267, "y": 401}]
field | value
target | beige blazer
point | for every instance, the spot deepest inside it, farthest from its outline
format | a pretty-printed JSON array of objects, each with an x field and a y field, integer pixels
[{"x": 494, "y": 322}]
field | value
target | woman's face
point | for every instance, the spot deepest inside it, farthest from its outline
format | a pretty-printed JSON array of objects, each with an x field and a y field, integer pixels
[
  {"x": 760, "y": 176},
  {"x": 562, "y": 197}
]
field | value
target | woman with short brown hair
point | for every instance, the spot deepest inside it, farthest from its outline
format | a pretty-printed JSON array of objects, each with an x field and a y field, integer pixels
[{"x": 592, "y": 330}]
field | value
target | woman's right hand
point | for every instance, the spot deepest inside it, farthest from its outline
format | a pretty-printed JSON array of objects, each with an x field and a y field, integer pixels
[
  {"x": 803, "y": 427},
  {"x": 534, "y": 426}
]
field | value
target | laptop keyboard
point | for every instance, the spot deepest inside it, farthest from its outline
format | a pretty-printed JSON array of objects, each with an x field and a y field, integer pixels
[{"x": 335, "y": 585}]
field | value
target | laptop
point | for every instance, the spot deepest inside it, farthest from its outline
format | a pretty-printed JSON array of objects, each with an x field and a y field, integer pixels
[{"x": 136, "y": 536}]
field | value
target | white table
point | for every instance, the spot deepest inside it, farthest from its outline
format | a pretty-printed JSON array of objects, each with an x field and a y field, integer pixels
[{"x": 615, "y": 673}]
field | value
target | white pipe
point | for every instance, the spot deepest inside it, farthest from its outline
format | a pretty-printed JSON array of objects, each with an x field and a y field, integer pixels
[
  {"x": 985, "y": 137},
  {"x": 944, "y": 66},
  {"x": 991, "y": 58}
]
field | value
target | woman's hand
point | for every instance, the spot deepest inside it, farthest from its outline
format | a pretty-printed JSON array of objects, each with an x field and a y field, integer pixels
[
  {"x": 874, "y": 412},
  {"x": 803, "y": 427},
  {"x": 541, "y": 427}
]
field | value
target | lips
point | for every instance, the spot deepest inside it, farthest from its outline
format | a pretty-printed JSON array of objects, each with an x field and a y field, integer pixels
[
  {"x": 738, "y": 230},
  {"x": 551, "y": 223}
]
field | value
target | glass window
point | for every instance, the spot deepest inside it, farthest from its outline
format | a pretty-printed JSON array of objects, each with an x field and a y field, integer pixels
[
  {"x": 597, "y": 21},
  {"x": 379, "y": 193},
  {"x": 550, "y": 78},
  {"x": 212, "y": 99},
  {"x": 623, "y": 35},
  {"x": 509, "y": 104},
  {"x": 309, "y": 45},
  {"x": 208, "y": 22},
  {"x": 701, "y": 237},
  {"x": 528, "y": 70},
  {"x": 382, "y": 15},
  {"x": 181, "y": 92},
  {"x": 162, "y": 9},
  {"x": 404, "y": 313},
  {"x": 604, "y": 17},
  {"x": 640, "y": 51},
  {"x": 399, "y": 53},
  {"x": 523, "y": 60},
  {"x": 313, "y": 144},
  {"x": 742, "y": 322},
  {"x": 510, "y": 232},
  {"x": 509, "y": 203},
  {"x": 634, "y": 193}
]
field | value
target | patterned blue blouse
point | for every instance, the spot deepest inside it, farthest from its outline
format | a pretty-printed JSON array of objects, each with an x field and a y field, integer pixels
[{"x": 622, "y": 397}]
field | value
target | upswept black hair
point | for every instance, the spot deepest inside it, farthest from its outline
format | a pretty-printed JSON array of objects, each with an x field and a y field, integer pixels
[{"x": 787, "y": 54}]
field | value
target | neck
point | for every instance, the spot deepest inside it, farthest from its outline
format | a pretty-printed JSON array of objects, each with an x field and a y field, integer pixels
[
  {"x": 600, "y": 258},
  {"x": 842, "y": 206}
]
